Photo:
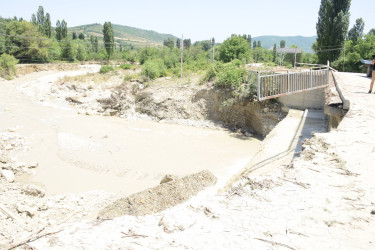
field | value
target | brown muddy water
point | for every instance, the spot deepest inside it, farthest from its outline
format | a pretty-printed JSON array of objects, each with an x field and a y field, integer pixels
[{"x": 78, "y": 153}]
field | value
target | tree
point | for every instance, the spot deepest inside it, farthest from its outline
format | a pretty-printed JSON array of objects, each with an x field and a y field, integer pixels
[
  {"x": 282, "y": 44},
  {"x": 74, "y": 35},
  {"x": 274, "y": 53},
  {"x": 69, "y": 51},
  {"x": 169, "y": 42},
  {"x": 248, "y": 39},
  {"x": 26, "y": 49},
  {"x": 109, "y": 42},
  {"x": 64, "y": 29},
  {"x": 94, "y": 44},
  {"x": 47, "y": 27},
  {"x": 58, "y": 31},
  {"x": 371, "y": 32},
  {"x": 81, "y": 36},
  {"x": 40, "y": 16},
  {"x": 178, "y": 43},
  {"x": 187, "y": 43},
  {"x": 331, "y": 28},
  {"x": 33, "y": 19},
  {"x": 234, "y": 48},
  {"x": 254, "y": 44},
  {"x": 259, "y": 45},
  {"x": 357, "y": 31},
  {"x": 362, "y": 49}
]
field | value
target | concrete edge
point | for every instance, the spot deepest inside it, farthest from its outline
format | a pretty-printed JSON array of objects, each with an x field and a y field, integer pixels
[
  {"x": 345, "y": 102},
  {"x": 258, "y": 160}
]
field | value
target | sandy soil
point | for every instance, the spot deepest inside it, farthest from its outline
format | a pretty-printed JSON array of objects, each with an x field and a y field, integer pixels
[{"x": 325, "y": 199}]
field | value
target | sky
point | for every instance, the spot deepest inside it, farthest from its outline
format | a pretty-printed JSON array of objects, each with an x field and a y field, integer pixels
[{"x": 195, "y": 19}]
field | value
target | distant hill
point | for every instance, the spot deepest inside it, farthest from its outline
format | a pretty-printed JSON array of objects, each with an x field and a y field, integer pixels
[
  {"x": 302, "y": 42},
  {"x": 125, "y": 34}
]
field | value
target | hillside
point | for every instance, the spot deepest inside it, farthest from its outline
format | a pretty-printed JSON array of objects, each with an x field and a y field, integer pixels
[
  {"x": 301, "y": 41},
  {"x": 125, "y": 34}
]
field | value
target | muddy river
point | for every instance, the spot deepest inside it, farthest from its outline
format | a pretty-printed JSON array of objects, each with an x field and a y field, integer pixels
[{"x": 78, "y": 153}]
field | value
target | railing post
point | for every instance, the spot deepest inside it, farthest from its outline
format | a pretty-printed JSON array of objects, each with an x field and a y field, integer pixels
[
  {"x": 288, "y": 82},
  {"x": 311, "y": 78},
  {"x": 258, "y": 80}
]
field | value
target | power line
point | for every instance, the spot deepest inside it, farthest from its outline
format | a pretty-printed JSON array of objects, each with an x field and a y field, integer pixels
[{"x": 329, "y": 50}]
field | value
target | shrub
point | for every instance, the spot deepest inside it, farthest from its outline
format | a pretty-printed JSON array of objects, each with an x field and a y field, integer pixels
[
  {"x": 231, "y": 77},
  {"x": 153, "y": 69},
  {"x": 125, "y": 66},
  {"x": 210, "y": 75},
  {"x": 7, "y": 66},
  {"x": 105, "y": 69}
]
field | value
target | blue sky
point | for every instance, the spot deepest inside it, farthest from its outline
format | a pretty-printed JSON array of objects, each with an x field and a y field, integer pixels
[{"x": 198, "y": 20}]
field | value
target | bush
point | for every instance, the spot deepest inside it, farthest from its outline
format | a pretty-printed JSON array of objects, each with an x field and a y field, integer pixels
[
  {"x": 7, "y": 66},
  {"x": 231, "y": 77},
  {"x": 153, "y": 69},
  {"x": 125, "y": 66},
  {"x": 105, "y": 69},
  {"x": 210, "y": 75}
]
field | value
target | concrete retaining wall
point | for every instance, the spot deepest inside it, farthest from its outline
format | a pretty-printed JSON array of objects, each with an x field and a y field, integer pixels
[{"x": 313, "y": 99}]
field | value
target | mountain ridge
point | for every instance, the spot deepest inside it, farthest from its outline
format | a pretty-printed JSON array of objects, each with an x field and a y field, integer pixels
[
  {"x": 303, "y": 42},
  {"x": 125, "y": 34}
]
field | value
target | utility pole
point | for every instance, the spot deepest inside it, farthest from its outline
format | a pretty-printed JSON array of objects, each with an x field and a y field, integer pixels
[
  {"x": 182, "y": 55},
  {"x": 213, "y": 56}
]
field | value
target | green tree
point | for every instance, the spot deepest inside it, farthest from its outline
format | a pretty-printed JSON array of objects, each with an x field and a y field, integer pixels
[
  {"x": 81, "y": 36},
  {"x": 81, "y": 53},
  {"x": 69, "y": 49},
  {"x": 58, "y": 31},
  {"x": 33, "y": 19},
  {"x": 187, "y": 43},
  {"x": 169, "y": 42},
  {"x": 178, "y": 43},
  {"x": 109, "y": 42},
  {"x": 254, "y": 44},
  {"x": 94, "y": 44},
  {"x": 331, "y": 28},
  {"x": 47, "y": 26},
  {"x": 371, "y": 32},
  {"x": 7, "y": 66},
  {"x": 362, "y": 49},
  {"x": 274, "y": 53},
  {"x": 74, "y": 35},
  {"x": 259, "y": 44},
  {"x": 40, "y": 16},
  {"x": 357, "y": 31},
  {"x": 234, "y": 48},
  {"x": 64, "y": 29},
  {"x": 248, "y": 39},
  {"x": 23, "y": 48},
  {"x": 282, "y": 44}
]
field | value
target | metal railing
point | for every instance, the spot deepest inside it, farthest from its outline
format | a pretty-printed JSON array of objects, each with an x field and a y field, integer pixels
[{"x": 272, "y": 86}]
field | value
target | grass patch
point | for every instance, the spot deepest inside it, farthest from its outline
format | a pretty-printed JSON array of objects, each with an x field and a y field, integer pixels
[
  {"x": 105, "y": 69},
  {"x": 126, "y": 66}
]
